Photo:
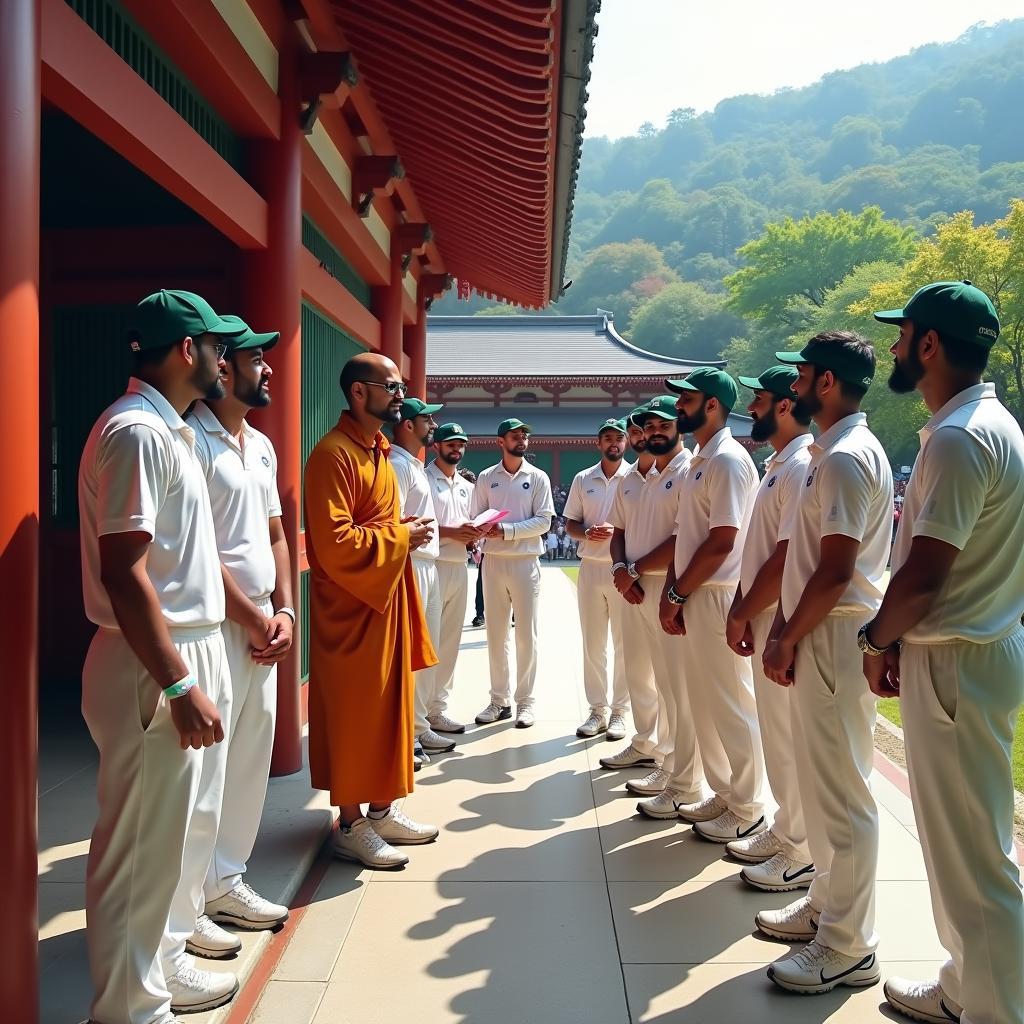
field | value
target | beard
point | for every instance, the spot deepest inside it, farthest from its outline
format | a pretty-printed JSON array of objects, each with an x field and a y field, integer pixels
[
  {"x": 905, "y": 375},
  {"x": 253, "y": 396},
  {"x": 427, "y": 439},
  {"x": 807, "y": 406},
  {"x": 688, "y": 424},
  {"x": 764, "y": 426},
  {"x": 519, "y": 450},
  {"x": 639, "y": 446},
  {"x": 660, "y": 444},
  {"x": 613, "y": 456},
  {"x": 451, "y": 458}
]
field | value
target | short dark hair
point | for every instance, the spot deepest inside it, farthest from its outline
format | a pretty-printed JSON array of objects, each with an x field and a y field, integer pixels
[
  {"x": 961, "y": 355},
  {"x": 349, "y": 376},
  {"x": 854, "y": 342},
  {"x": 150, "y": 358}
]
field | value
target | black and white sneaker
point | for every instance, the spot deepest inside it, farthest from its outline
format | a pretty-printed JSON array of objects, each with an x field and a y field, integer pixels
[
  {"x": 780, "y": 874},
  {"x": 818, "y": 968}
]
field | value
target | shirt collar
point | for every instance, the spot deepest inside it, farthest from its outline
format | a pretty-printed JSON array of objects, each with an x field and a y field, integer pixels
[
  {"x": 525, "y": 467},
  {"x": 398, "y": 452},
  {"x": 837, "y": 430},
  {"x": 972, "y": 394},
  {"x": 798, "y": 443},
  {"x": 208, "y": 419},
  {"x": 164, "y": 408},
  {"x": 351, "y": 429},
  {"x": 597, "y": 473},
  {"x": 683, "y": 456},
  {"x": 710, "y": 450}
]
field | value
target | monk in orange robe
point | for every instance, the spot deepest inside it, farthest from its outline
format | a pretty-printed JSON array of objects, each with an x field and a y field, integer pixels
[{"x": 367, "y": 631}]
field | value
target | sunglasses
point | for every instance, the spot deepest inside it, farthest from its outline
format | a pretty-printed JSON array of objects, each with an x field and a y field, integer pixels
[{"x": 392, "y": 387}]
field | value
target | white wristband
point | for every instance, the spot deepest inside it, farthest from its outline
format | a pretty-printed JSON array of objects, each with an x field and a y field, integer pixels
[{"x": 290, "y": 612}]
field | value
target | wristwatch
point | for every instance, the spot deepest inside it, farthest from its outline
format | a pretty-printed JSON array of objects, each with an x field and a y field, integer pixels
[
  {"x": 632, "y": 570},
  {"x": 865, "y": 644},
  {"x": 676, "y": 598},
  {"x": 290, "y": 612},
  {"x": 617, "y": 566}
]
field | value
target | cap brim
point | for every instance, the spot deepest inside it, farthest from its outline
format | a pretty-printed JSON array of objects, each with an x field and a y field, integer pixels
[
  {"x": 521, "y": 426},
  {"x": 890, "y": 316},
  {"x": 661, "y": 415},
  {"x": 610, "y": 429},
  {"x": 226, "y": 328},
  {"x": 263, "y": 341},
  {"x": 752, "y": 382},
  {"x": 431, "y": 409},
  {"x": 679, "y": 385},
  {"x": 791, "y": 358}
]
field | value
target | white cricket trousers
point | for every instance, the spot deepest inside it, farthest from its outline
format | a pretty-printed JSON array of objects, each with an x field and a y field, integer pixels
[
  {"x": 774, "y": 715},
  {"x": 833, "y": 735},
  {"x": 425, "y": 571},
  {"x": 653, "y": 734},
  {"x": 683, "y": 761},
  {"x": 512, "y": 584},
  {"x": 720, "y": 685},
  {"x": 453, "y": 579},
  {"x": 250, "y": 742},
  {"x": 600, "y": 606},
  {"x": 157, "y": 825},
  {"x": 959, "y": 702}
]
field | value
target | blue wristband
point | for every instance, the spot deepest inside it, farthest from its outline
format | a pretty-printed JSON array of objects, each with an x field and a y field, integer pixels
[{"x": 180, "y": 688}]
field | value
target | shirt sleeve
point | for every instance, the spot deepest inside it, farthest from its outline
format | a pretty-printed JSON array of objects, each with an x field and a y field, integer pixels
[
  {"x": 574, "y": 503},
  {"x": 476, "y": 502},
  {"x": 953, "y": 487},
  {"x": 730, "y": 493},
  {"x": 274, "y": 508},
  {"x": 844, "y": 491},
  {"x": 793, "y": 487},
  {"x": 543, "y": 510},
  {"x": 134, "y": 474},
  {"x": 404, "y": 478}
]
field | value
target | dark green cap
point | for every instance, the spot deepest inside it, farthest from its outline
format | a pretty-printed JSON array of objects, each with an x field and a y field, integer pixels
[
  {"x": 168, "y": 316},
  {"x": 250, "y": 339},
  {"x": 450, "y": 432},
  {"x": 708, "y": 381},
  {"x": 413, "y": 407},
  {"x": 664, "y": 407},
  {"x": 636, "y": 417},
  {"x": 776, "y": 379},
  {"x": 612, "y": 424},
  {"x": 847, "y": 364},
  {"x": 513, "y": 424},
  {"x": 955, "y": 308}
]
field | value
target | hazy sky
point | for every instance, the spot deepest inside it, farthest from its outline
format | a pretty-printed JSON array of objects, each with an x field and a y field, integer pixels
[{"x": 654, "y": 55}]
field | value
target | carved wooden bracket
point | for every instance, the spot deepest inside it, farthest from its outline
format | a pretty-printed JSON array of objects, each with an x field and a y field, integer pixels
[{"x": 374, "y": 176}]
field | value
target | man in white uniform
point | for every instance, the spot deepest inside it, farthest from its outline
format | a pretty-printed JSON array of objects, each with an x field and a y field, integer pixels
[
  {"x": 715, "y": 501},
  {"x": 453, "y": 496},
  {"x": 512, "y": 570},
  {"x": 240, "y": 465},
  {"x": 586, "y": 519},
  {"x": 155, "y": 689},
  {"x": 643, "y": 516},
  {"x": 413, "y": 432},
  {"x": 955, "y": 599},
  {"x": 778, "y": 858},
  {"x": 831, "y": 584}
]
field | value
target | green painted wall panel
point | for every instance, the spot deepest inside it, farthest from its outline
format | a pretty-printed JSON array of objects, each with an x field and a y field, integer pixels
[
  {"x": 576, "y": 460},
  {"x": 334, "y": 262}
]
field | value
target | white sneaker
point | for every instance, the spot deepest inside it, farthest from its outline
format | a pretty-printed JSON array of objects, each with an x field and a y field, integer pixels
[
  {"x": 628, "y": 757},
  {"x": 921, "y": 1000},
  {"x": 795, "y": 922},
  {"x": 400, "y": 830},
  {"x": 651, "y": 784},
  {"x": 780, "y": 874},
  {"x": 419, "y": 757},
  {"x": 440, "y": 722},
  {"x": 818, "y": 968},
  {"x": 211, "y": 942},
  {"x": 493, "y": 713},
  {"x": 433, "y": 743},
  {"x": 756, "y": 848},
  {"x": 665, "y": 804},
  {"x": 361, "y": 844},
  {"x": 193, "y": 990},
  {"x": 245, "y": 908},
  {"x": 703, "y": 810},
  {"x": 727, "y": 827},
  {"x": 595, "y": 724},
  {"x": 524, "y": 717},
  {"x": 616, "y": 728}
]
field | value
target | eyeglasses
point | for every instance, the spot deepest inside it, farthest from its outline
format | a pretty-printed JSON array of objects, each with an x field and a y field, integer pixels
[
  {"x": 221, "y": 349},
  {"x": 392, "y": 387}
]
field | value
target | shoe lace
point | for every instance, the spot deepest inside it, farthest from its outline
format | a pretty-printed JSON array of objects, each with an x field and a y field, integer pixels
[
  {"x": 657, "y": 778},
  {"x": 815, "y": 955},
  {"x": 776, "y": 865},
  {"x": 246, "y": 895},
  {"x": 797, "y": 911},
  {"x": 191, "y": 977}
]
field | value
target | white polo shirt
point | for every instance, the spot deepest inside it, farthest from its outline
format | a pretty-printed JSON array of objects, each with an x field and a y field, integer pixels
[
  {"x": 771, "y": 520},
  {"x": 645, "y": 508},
  {"x": 139, "y": 472},
  {"x": 242, "y": 480},
  {"x": 591, "y": 495},
  {"x": 847, "y": 491},
  {"x": 453, "y": 498},
  {"x": 414, "y": 494},
  {"x": 527, "y": 496},
  {"x": 967, "y": 489}
]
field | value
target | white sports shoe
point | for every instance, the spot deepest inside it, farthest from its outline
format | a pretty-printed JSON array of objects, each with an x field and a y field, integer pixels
[
  {"x": 650, "y": 785},
  {"x": 628, "y": 757},
  {"x": 665, "y": 804},
  {"x": 434, "y": 743},
  {"x": 440, "y": 722},
  {"x": 524, "y": 717},
  {"x": 493, "y": 713},
  {"x": 360, "y": 843},
  {"x": 211, "y": 941},
  {"x": 780, "y": 874},
  {"x": 245, "y": 908},
  {"x": 616, "y": 728},
  {"x": 818, "y": 968},
  {"x": 795, "y": 922},
  {"x": 756, "y": 848},
  {"x": 400, "y": 830},
  {"x": 703, "y": 810},
  {"x": 727, "y": 827},
  {"x": 921, "y": 1000},
  {"x": 592, "y": 726},
  {"x": 193, "y": 990}
]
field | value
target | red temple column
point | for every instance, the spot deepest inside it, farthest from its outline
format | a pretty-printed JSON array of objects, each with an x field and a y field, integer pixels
[
  {"x": 416, "y": 347},
  {"x": 19, "y": 497},
  {"x": 387, "y": 306},
  {"x": 272, "y": 300},
  {"x": 556, "y": 465}
]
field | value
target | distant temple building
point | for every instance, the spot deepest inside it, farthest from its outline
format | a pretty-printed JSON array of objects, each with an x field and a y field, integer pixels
[{"x": 561, "y": 374}]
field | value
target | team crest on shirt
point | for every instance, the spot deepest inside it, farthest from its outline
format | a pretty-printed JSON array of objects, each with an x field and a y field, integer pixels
[
  {"x": 668, "y": 485},
  {"x": 810, "y": 479},
  {"x": 700, "y": 473},
  {"x": 771, "y": 482},
  {"x": 526, "y": 485},
  {"x": 592, "y": 490},
  {"x": 495, "y": 484},
  {"x": 265, "y": 461}
]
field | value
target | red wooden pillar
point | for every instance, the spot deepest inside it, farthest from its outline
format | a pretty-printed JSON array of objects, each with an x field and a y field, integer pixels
[
  {"x": 556, "y": 465},
  {"x": 416, "y": 347},
  {"x": 387, "y": 305},
  {"x": 272, "y": 299},
  {"x": 19, "y": 497}
]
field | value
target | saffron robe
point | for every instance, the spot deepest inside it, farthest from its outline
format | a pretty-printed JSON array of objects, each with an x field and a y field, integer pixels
[{"x": 367, "y": 631}]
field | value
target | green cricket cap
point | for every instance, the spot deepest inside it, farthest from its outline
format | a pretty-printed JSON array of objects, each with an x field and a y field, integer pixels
[
  {"x": 612, "y": 424},
  {"x": 636, "y": 417},
  {"x": 776, "y": 379},
  {"x": 450, "y": 432},
  {"x": 169, "y": 315},
  {"x": 513, "y": 424},
  {"x": 413, "y": 407},
  {"x": 708, "y": 381},
  {"x": 250, "y": 338},
  {"x": 664, "y": 407},
  {"x": 850, "y": 365},
  {"x": 956, "y": 308}
]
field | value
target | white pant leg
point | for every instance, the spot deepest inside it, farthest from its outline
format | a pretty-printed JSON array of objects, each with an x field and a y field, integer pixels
[
  {"x": 523, "y": 575},
  {"x": 652, "y": 736},
  {"x": 498, "y": 623},
  {"x": 837, "y": 718},
  {"x": 594, "y": 622},
  {"x": 425, "y": 571},
  {"x": 146, "y": 788},
  {"x": 250, "y": 742},
  {"x": 959, "y": 702},
  {"x": 453, "y": 580},
  {"x": 620, "y": 685},
  {"x": 775, "y": 719}
]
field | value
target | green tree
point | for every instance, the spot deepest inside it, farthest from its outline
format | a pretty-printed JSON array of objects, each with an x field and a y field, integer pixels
[{"x": 685, "y": 321}]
